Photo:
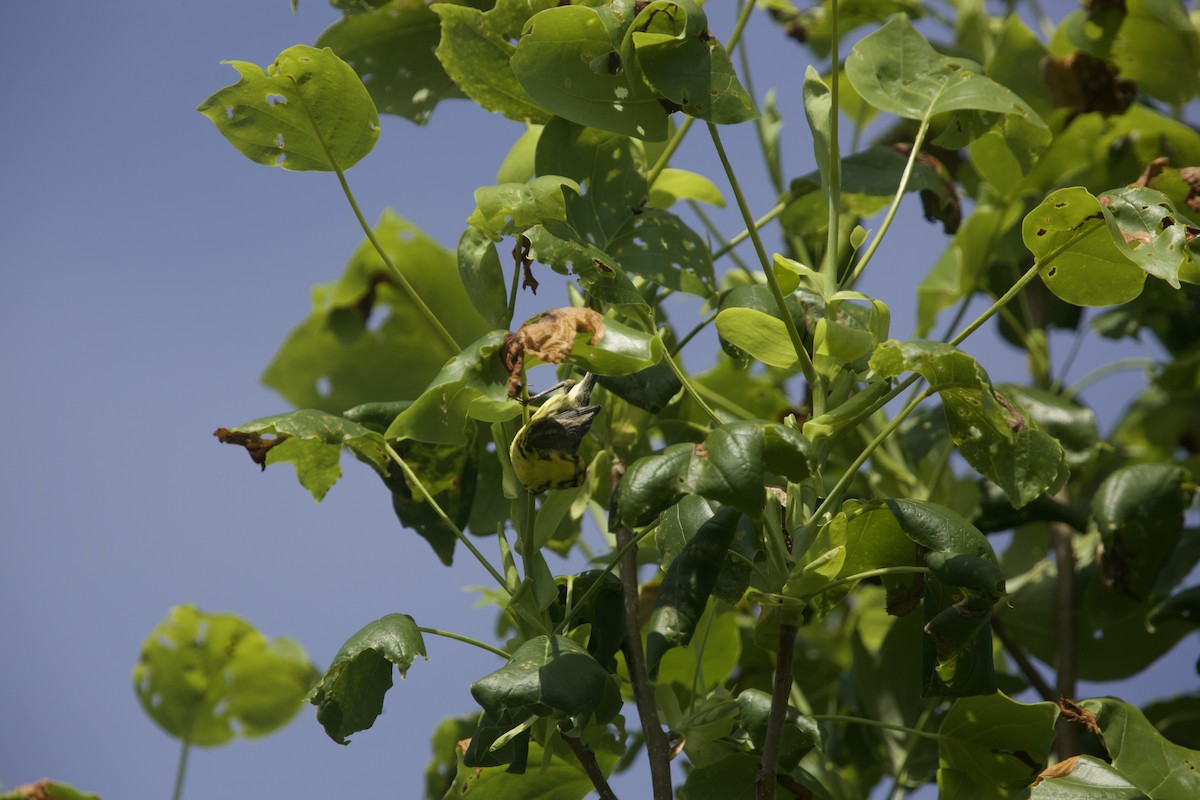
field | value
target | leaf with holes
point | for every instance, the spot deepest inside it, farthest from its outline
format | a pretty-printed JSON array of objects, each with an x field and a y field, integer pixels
[
  {"x": 206, "y": 677},
  {"x": 896, "y": 70},
  {"x": 308, "y": 111},
  {"x": 1154, "y": 233},
  {"x": 660, "y": 247},
  {"x": 1076, "y": 244},
  {"x": 391, "y": 49},
  {"x": 992, "y": 433},
  {"x": 569, "y": 59}
]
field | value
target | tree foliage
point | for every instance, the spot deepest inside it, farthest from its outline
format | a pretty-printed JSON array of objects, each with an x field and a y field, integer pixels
[{"x": 832, "y": 608}]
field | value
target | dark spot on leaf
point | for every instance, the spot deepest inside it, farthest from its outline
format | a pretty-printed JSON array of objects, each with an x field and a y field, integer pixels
[
  {"x": 1050, "y": 273},
  {"x": 1040, "y": 232}
]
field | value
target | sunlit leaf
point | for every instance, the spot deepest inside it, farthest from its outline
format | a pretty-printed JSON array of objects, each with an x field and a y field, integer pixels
[
  {"x": 993, "y": 746},
  {"x": 308, "y": 111},
  {"x": 391, "y": 49},
  {"x": 205, "y": 677}
]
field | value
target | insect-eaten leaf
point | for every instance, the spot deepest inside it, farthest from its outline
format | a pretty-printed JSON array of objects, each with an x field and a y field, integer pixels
[
  {"x": 308, "y": 111},
  {"x": 205, "y": 677},
  {"x": 996, "y": 437}
]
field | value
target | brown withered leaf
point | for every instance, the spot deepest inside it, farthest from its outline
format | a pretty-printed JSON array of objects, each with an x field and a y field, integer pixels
[
  {"x": 254, "y": 443},
  {"x": 1060, "y": 770},
  {"x": 548, "y": 336},
  {"x": 1191, "y": 176},
  {"x": 1084, "y": 83}
]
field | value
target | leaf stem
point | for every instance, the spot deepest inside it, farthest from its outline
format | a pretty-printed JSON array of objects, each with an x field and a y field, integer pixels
[
  {"x": 1104, "y": 370},
  {"x": 595, "y": 587},
  {"x": 458, "y": 637},
  {"x": 835, "y": 495},
  {"x": 829, "y": 263},
  {"x": 415, "y": 482},
  {"x": 872, "y": 723},
  {"x": 181, "y": 766},
  {"x": 425, "y": 310},
  {"x": 806, "y": 364},
  {"x": 745, "y": 234},
  {"x": 701, "y": 325},
  {"x": 892, "y": 208},
  {"x": 871, "y": 573}
]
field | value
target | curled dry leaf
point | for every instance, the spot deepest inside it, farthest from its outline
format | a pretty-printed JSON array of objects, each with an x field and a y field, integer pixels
[
  {"x": 548, "y": 336},
  {"x": 1060, "y": 770},
  {"x": 254, "y": 443}
]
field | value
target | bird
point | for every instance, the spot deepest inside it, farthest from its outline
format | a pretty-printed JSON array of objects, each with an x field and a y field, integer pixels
[{"x": 545, "y": 451}]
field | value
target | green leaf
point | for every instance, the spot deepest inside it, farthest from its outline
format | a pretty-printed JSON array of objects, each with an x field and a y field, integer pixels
[
  {"x": 1086, "y": 266},
  {"x": 731, "y": 467},
  {"x": 673, "y": 185},
  {"x": 713, "y": 653},
  {"x": 365, "y": 340},
  {"x": 312, "y": 441},
  {"x": 1155, "y": 233},
  {"x": 761, "y": 335},
  {"x": 622, "y": 350},
  {"x": 510, "y": 208},
  {"x": 993, "y": 746},
  {"x": 391, "y": 49},
  {"x": 598, "y": 273},
  {"x": 660, "y": 247},
  {"x": 1177, "y": 718},
  {"x": 686, "y": 65},
  {"x": 897, "y": 71},
  {"x": 650, "y": 389},
  {"x": 604, "y": 611},
  {"x": 818, "y": 105},
  {"x": 1160, "y": 768},
  {"x": 689, "y": 580},
  {"x": 471, "y": 386},
  {"x": 569, "y": 59},
  {"x": 350, "y": 695},
  {"x": 1159, "y": 49},
  {"x": 610, "y": 166},
  {"x": 557, "y": 778},
  {"x": 993, "y": 434},
  {"x": 483, "y": 276},
  {"x": 1073, "y": 425},
  {"x": 1138, "y": 511},
  {"x": 205, "y": 677},
  {"x": 308, "y": 111},
  {"x": 800, "y": 733},
  {"x": 546, "y": 675},
  {"x": 475, "y": 52}
]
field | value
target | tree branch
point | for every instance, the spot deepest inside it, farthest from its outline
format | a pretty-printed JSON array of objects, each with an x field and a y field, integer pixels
[
  {"x": 765, "y": 779},
  {"x": 1014, "y": 649},
  {"x": 587, "y": 760}
]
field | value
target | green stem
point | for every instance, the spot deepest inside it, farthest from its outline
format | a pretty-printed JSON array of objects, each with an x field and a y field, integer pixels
[
  {"x": 648, "y": 321},
  {"x": 701, "y": 325},
  {"x": 871, "y": 573},
  {"x": 1004, "y": 299},
  {"x": 806, "y": 365},
  {"x": 595, "y": 587},
  {"x": 893, "y": 208},
  {"x": 871, "y": 723},
  {"x": 673, "y": 144},
  {"x": 829, "y": 263},
  {"x": 181, "y": 767},
  {"x": 458, "y": 637},
  {"x": 745, "y": 234},
  {"x": 835, "y": 495},
  {"x": 711, "y": 227},
  {"x": 415, "y": 483},
  {"x": 1103, "y": 371},
  {"x": 910, "y": 747},
  {"x": 518, "y": 266},
  {"x": 425, "y": 310}
]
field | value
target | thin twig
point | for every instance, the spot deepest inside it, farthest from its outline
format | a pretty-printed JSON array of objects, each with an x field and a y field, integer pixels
[
  {"x": 587, "y": 760},
  {"x": 764, "y": 781},
  {"x": 1027, "y": 667},
  {"x": 658, "y": 749}
]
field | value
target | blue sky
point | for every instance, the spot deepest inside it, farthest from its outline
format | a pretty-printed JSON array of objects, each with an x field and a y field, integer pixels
[{"x": 147, "y": 274}]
